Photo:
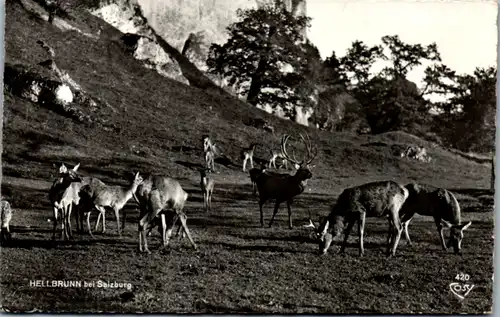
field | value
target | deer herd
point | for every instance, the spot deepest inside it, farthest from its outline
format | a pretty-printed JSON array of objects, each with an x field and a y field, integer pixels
[{"x": 161, "y": 201}]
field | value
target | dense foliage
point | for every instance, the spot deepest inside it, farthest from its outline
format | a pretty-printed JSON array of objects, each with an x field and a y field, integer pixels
[
  {"x": 266, "y": 57},
  {"x": 268, "y": 60}
]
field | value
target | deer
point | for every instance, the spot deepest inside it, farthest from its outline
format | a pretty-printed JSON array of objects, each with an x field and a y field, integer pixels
[
  {"x": 254, "y": 174},
  {"x": 257, "y": 171},
  {"x": 156, "y": 196},
  {"x": 6, "y": 215},
  {"x": 277, "y": 154},
  {"x": 247, "y": 154},
  {"x": 61, "y": 196},
  {"x": 207, "y": 188},
  {"x": 284, "y": 187},
  {"x": 109, "y": 196},
  {"x": 209, "y": 152},
  {"x": 440, "y": 204},
  {"x": 376, "y": 199}
]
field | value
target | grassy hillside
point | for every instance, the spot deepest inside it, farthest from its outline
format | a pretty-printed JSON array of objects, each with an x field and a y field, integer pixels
[{"x": 149, "y": 123}]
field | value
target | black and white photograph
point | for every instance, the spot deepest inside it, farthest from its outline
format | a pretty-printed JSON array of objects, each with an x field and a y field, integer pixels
[{"x": 248, "y": 157}]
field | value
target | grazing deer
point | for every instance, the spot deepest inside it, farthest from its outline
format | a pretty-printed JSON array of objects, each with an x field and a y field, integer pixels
[
  {"x": 440, "y": 204},
  {"x": 61, "y": 196},
  {"x": 6, "y": 218},
  {"x": 377, "y": 199},
  {"x": 155, "y": 196},
  {"x": 247, "y": 154},
  {"x": 109, "y": 196},
  {"x": 284, "y": 187},
  {"x": 207, "y": 188}
]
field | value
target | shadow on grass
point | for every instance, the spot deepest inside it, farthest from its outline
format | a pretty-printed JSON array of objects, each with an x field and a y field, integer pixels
[
  {"x": 263, "y": 248},
  {"x": 190, "y": 165},
  {"x": 474, "y": 192},
  {"x": 204, "y": 307},
  {"x": 294, "y": 238},
  {"x": 74, "y": 243}
]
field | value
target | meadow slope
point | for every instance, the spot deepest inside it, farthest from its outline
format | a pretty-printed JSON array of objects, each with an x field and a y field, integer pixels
[{"x": 149, "y": 123}]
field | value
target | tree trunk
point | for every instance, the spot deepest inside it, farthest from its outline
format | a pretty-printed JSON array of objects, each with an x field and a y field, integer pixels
[{"x": 256, "y": 84}]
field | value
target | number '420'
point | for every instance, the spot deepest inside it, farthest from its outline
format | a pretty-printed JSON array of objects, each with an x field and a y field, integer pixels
[{"x": 462, "y": 277}]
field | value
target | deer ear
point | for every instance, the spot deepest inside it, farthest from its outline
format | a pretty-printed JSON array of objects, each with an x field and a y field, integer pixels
[
  {"x": 76, "y": 167},
  {"x": 465, "y": 226},
  {"x": 63, "y": 169},
  {"x": 446, "y": 223}
]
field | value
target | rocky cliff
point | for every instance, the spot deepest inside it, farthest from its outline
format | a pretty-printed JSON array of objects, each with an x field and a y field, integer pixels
[{"x": 190, "y": 26}]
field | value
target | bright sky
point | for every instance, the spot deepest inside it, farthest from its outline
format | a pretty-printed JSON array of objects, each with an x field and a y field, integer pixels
[{"x": 465, "y": 31}]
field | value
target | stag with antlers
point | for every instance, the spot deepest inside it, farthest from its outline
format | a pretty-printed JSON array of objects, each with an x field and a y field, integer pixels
[{"x": 285, "y": 187}]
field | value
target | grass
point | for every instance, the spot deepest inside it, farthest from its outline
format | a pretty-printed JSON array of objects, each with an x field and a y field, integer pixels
[{"x": 149, "y": 123}]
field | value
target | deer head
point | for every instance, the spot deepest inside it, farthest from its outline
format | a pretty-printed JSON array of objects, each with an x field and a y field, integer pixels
[
  {"x": 304, "y": 168},
  {"x": 456, "y": 235}
]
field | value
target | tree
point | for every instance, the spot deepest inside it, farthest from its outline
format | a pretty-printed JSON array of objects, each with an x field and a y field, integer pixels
[
  {"x": 466, "y": 119},
  {"x": 390, "y": 101},
  {"x": 264, "y": 56}
]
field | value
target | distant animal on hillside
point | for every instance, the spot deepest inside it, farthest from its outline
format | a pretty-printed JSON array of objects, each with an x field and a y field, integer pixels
[
  {"x": 6, "y": 215},
  {"x": 247, "y": 155},
  {"x": 207, "y": 187},
  {"x": 283, "y": 188},
  {"x": 277, "y": 154},
  {"x": 209, "y": 153},
  {"x": 377, "y": 199},
  {"x": 440, "y": 204}
]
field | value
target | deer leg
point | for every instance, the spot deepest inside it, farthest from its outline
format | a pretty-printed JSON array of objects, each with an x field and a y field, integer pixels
[
  {"x": 63, "y": 227},
  {"x": 68, "y": 221},
  {"x": 210, "y": 200},
  {"x": 99, "y": 216},
  {"x": 56, "y": 212},
  {"x": 407, "y": 235},
  {"x": 102, "y": 214},
  {"x": 117, "y": 216},
  {"x": 145, "y": 222},
  {"x": 405, "y": 221},
  {"x": 440, "y": 231},
  {"x": 261, "y": 203},
  {"x": 88, "y": 223},
  {"x": 123, "y": 219},
  {"x": 288, "y": 204},
  {"x": 397, "y": 230},
  {"x": 183, "y": 218},
  {"x": 251, "y": 161},
  {"x": 77, "y": 214},
  {"x": 361, "y": 231},
  {"x": 276, "y": 206},
  {"x": 164, "y": 238},
  {"x": 347, "y": 231},
  {"x": 244, "y": 164},
  {"x": 389, "y": 235},
  {"x": 205, "y": 200}
]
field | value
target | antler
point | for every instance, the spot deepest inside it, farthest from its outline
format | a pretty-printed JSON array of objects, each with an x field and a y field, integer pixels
[
  {"x": 310, "y": 225},
  {"x": 284, "y": 139},
  {"x": 311, "y": 153}
]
